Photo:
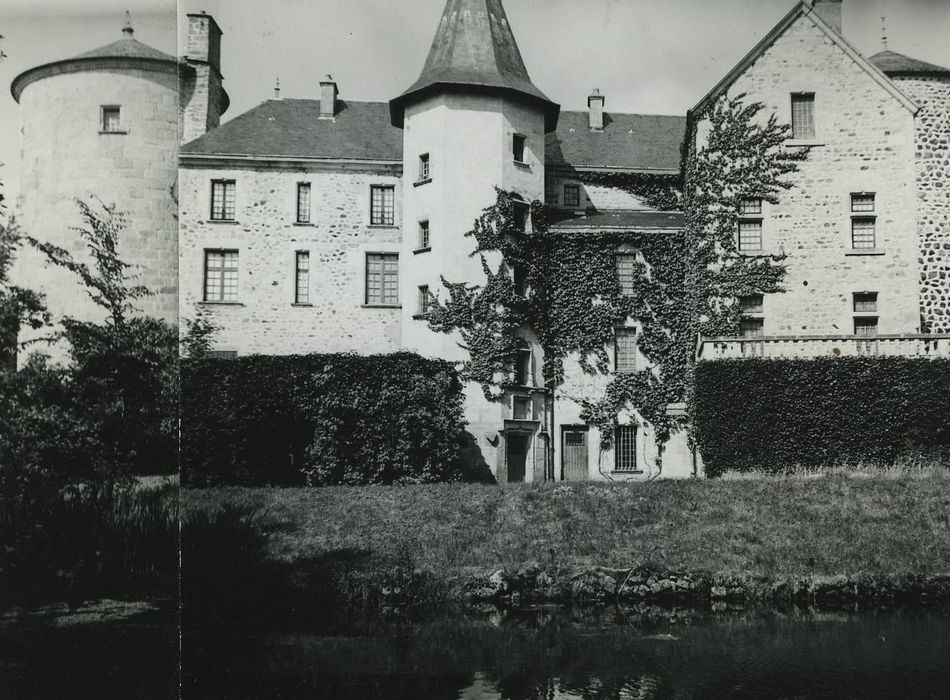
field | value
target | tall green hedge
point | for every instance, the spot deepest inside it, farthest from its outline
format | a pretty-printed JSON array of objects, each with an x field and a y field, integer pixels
[
  {"x": 320, "y": 419},
  {"x": 774, "y": 415}
]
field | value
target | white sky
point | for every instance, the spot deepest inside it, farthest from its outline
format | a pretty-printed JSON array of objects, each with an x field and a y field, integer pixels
[{"x": 649, "y": 56}]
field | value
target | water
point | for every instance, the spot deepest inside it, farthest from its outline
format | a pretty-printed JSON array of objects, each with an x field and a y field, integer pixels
[{"x": 606, "y": 653}]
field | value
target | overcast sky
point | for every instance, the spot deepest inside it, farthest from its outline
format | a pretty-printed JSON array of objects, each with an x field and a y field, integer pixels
[{"x": 648, "y": 56}]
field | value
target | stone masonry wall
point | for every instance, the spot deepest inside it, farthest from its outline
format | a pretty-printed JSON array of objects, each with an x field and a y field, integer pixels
[
  {"x": 933, "y": 196},
  {"x": 265, "y": 319},
  {"x": 864, "y": 143},
  {"x": 65, "y": 157}
]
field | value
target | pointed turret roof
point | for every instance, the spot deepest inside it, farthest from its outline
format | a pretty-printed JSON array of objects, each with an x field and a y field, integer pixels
[
  {"x": 474, "y": 47},
  {"x": 893, "y": 63}
]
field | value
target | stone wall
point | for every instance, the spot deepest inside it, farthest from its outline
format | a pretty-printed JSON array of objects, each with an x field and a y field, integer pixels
[
  {"x": 266, "y": 319},
  {"x": 864, "y": 143},
  {"x": 933, "y": 196},
  {"x": 65, "y": 157}
]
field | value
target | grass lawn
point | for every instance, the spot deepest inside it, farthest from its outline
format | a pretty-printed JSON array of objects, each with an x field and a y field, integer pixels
[{"x": 837, "y": 523}]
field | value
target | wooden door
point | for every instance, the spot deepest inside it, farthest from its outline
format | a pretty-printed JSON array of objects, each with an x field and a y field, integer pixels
[
  {"x": 574, "y": 452},
  {"x": 516, "y": 455}
]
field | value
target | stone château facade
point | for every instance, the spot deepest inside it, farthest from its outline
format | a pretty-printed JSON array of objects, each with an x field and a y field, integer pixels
[{"x": 323, "y": 225}]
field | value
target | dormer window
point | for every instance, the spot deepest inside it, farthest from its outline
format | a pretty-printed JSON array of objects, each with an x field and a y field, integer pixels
[
  {"x": 518, "y": 143},
  {"x": 111, "y": 122},
  {"x": 803, "y": 115}
]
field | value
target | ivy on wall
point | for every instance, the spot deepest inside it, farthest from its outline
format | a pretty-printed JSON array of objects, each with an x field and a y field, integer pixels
[
  {"x": 568, "y": 293},
  {"x": 662, "y": 192}
]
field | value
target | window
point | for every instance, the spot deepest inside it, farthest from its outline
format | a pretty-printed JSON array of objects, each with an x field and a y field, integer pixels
[
  {"x": 303, "y": 202},
  {"x": 625, "y": 449},
  {"x": 382, "y": 279},
  {"x": 221, "y": 275},
  {"x": 572, "y": 195},
  {"x": 627, "y": 272},
  {"x": 625, "y": 350},
  {"x": 863, "y": 221},
  {"x": 803, "y": 115},
  {"x": 865, "y": 325},
  {"x": 111, "y": 119},
  {"x": 382, "y": 207},
  {"x": 751, "y": 327},
  {"x": 750, "y": 225},
  {"x": 423, "y": 299},
  {"x": 751, "y": 304},
  {"x": 517, "y": 147},
  {"x": 520, "y": 212},
  {"x": 751, "y": 322},
  {"x": 865, "y": 302},
  {"x": 520, "y": 280},
  {"x": 521, "y": 407},
  {"x": 423, "y": 235},
  {"x": 222, "y": 200},
  {"x": 302, "y": 280},
  {"x": 424, "y": 167},
  {"x": 523, "y": 373}
]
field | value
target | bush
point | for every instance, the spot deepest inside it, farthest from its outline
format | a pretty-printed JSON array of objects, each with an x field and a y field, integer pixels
[
  {"x": 779, "y": 415},
  {"x": 320, "y": 419}
]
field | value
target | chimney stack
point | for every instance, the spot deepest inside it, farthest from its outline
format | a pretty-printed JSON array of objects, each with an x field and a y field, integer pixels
[
  {"x": 328, "y": 93},
  {"x": 830, "y": 12},
  {"x": 204, "y": 95},
  {"x": 595, "y": 107}
]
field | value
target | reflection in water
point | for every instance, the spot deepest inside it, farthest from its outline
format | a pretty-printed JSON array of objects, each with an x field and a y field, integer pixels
[{"x": 555, "y": 653}]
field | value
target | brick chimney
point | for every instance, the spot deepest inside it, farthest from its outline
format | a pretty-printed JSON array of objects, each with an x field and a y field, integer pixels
[
  {"x": 595, "y": 109},
  {"x": 830, "y": 12},
  {"x": 328, "y": 93},
  {"x": 203, "y": 97}
]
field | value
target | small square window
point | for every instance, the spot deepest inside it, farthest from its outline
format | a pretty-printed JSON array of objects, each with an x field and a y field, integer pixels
[
  {"x": 382, "y": 205},
  {"x": 752, "y": 327},
  {"x": 625, "y": 350},
  {"x": 521, "y": 407},
  {"x": 423, "y": 299},
  {"x": 865, "y": 302},
  {"x": 803, "y": 115},
  {"x": 862, "y": 203},
  {"x": 424, "y": 235},
  {"x": 751, "y": 304},
  {"x": 625, "y": 448},
  {"x": 750, "y": 236},
  {"x": 865, "y": 325},
  {"x": 302, "y": 278},
  {"x": 424, "y": 167},
  {"x": 750, "y": 206},
  {"x": 518, "y": 147},
  {"x": 303, "y": 202},
  {"x": 222, "y": 200},
  {"x": 111, "y": 121},
  {"x": 572, "y": 195}
]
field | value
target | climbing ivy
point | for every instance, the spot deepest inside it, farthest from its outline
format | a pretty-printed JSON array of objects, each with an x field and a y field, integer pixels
[
  {"x": 568, "y": 293},
  {"x": 660, "y": 191}
]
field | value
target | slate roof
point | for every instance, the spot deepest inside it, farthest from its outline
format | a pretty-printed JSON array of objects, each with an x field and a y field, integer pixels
[
  {"x": 126, "y": 48},
  {"x": 475, "y": 47},
  {"x": 635, "y": 220},
  {"x": 893, "y": 63},
  {"x": 628, "y": 141},
  {"x": 292, "y": 128}
]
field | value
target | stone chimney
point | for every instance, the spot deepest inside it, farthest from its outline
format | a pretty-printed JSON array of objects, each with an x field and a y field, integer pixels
[
  {"x": 328, "y": 93},
  {"x": 595, "y": 109},
  {"x": 830, "y": 12},
  {"x": 202, "y": 96}
]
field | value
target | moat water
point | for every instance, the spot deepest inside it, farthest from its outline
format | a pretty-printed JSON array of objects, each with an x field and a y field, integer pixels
[{"x": 534, "y": 653}]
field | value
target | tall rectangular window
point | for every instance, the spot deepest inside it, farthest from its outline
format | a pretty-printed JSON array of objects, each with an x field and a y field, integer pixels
[
  {"x": 303, "y": 202},
  {"x": 382, "y": 205},
  {"x": 423, "y": 304},
  {"x": 382, "y": 279},
  {"x": 523, "y": 373},
  {"x": 865, "y": 319},
  {"x": 111, "y": 121},
  {"x": 221, "y": 275},
  {"x": 625, "y": 448},
  {"x": 222, "y": 200},
  {"x": 424, "y": 235},
  {"x": 627, "y": 272},
  {"x": 750, "y": 225},
  {"x": 863, "y": 221},
  {"x": 517, "y": 147},
  {"x": 302, "y": 278},
  {"x": 572, "y": 195},
  {"x": 803, "y": 115},
  {"x": 424, "y": 167},
  {"x": 625, "y": 350}
]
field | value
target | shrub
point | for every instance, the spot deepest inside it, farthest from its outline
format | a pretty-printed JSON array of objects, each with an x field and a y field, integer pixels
[
  {"x": 781, "y": 415},
  {"x": 320, "y": 419}
]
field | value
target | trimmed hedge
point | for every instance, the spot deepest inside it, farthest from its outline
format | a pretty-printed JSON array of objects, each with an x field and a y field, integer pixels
[
  {"x": 776, "y": 415},
  {"x": 320, "y": 419}
]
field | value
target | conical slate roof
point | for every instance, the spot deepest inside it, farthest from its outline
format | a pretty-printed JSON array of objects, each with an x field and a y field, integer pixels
[
  {"x": 127, "y": 48},
  {"x": 475, "y": 47},
  {"x": 892, "y": 63}
]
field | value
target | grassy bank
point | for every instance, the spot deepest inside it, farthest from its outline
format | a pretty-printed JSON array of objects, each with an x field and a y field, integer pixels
[{"x": 838, "y": 523}]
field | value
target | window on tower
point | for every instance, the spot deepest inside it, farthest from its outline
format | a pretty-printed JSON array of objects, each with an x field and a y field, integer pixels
[
  {"x": 518, "y": 142},
  {"x": 111, "y": 122}
]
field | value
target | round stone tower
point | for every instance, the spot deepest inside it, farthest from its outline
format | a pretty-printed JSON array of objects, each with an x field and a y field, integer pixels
[
  {"x": 929, "y": 86},
  {"x": 103, "y": 124},
  {"x": 473, "y": 121}
]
